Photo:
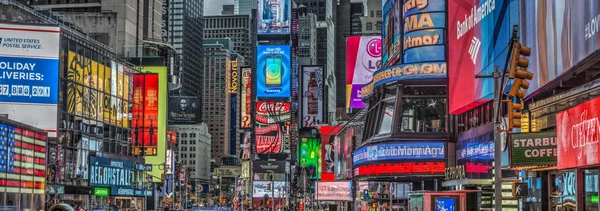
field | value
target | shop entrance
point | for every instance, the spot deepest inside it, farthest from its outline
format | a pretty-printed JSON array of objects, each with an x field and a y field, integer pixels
[{"x": 564, "y": 191}]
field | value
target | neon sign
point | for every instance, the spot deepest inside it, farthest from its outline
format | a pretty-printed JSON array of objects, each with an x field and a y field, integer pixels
[
  {"x": 399, "y": 151},
  {"x": 406, "y": 168}
]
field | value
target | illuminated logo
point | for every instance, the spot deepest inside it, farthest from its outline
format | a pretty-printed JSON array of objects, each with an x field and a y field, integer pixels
[
  {"x": 371, "y": 60},
  {"x": 584, "y": 135},
  {"x": 374, "y": 47},
  {"x": 474, "y": 49}
]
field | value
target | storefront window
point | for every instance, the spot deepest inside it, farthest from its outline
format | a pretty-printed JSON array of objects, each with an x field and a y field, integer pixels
[
  {"x": 424, "y": 109},
  {"x": 388, "y": 116},
  {"x": 564, "y": 191},
  {"x": 591, "y": 189}
]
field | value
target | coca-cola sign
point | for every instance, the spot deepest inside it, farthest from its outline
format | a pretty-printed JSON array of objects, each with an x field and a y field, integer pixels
[
  {"x": 578, "y": 134},
  {"x": 273, "y": 108},
  {"x": 271, "y": 139}
]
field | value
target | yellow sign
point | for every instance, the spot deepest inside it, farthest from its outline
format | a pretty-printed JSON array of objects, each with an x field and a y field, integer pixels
[{"x": 233, "y": 77}]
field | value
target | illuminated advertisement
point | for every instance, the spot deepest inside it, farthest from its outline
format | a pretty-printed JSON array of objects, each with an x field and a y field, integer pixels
[
  {"x": 245, "y": 146},
  {"x": 410, "y": 71},
  {"x": 577, "y": 135},
  {"x": 110, "y": 172},
  {"x": 334, "y": 191},
  {"x": 22, "y": 159},
  {"x": 312, "y": 95},
  {"x": 273, "y": 17},
  {"x": 399, "y": 151},
  {"x": 476, "y": 44},
  {"x": 390, "y": 32},
  {"x": 272, "y": 112},
  {"x": 273, "y": 71},
  {"x": 310, "y": 153},
  {"x": 29, "y": 73},
  {"x": 401, "y": 169},
  {"x": 232, "y": 75},
  {"x": 474, "y": 154},
  {"x": 272, "y": 139},
  {"x": 162, "y": 120},
  {"x": 424, "y": 26},
  {"x": 530, "y": 149},
  {"x": 446, "y": 204},
  {"x": 145, "y": 114},
  {"x": 270, "y": 166},
  {"x": 279, "y": 187},
  {"x": 245, "y": 97},
  {"x": 363, "y": 58},
  {"x": 169, "y": 160},
  {"x": 184, "y": 109},
  {"x": 560, "y": 35}
]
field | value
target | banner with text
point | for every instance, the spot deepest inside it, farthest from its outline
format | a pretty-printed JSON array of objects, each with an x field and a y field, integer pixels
[{"x": 530, "y": 149}]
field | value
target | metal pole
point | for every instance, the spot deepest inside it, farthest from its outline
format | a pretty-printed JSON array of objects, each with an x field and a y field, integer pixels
[
  {"x": 497, "y": 144},
  {"x": 273, "y": 190}
]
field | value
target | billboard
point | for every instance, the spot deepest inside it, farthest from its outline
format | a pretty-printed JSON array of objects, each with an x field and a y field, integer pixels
[
  {"x": 184, "y": 109},
  {"x": 577, "y": 135},
  {"x": 270, "y": 166},
  {"x": 245, "y": 146},
  {"x": 273, "y": 71},
  {"x": 476, "y": 44},
  {"x": 391, "y": 30},
  {"x": 309, "y": 153},
  {"x": 401, "y": 169},
  {"x": 560, "y": 36},
  {"x": 245, "y": 97},
  {"x": 29, "y": 74},
  {"x": 334, "y": 191},
  {"x": 312, "y": 95},
  {"x": 279, "y": 187},
  {"x": 232, "y": 75},
  {"x": 273, "y": 139},
  {"x": 273, "y": 17},
  {"x": 162, "y": 120},
  {"x": 399, "y": 151},
  {"x": 272, "y": 112},
  {"x": 363, "y": 58},
  {"x": 423, "y": 35},
  {"x": 144, "y": 135},
  {"x": 531, "y": 149},
  {"x": 401, "y": 72}
]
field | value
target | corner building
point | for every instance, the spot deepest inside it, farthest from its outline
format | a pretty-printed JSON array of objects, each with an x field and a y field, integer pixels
[{"x": 406, "y": 137}]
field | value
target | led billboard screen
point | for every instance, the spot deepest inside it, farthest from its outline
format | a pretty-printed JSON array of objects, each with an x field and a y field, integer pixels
[
  {"x": 334, "y": 191},
  {"x": 400, "y": 151},
  {"x": 184, "y": 109},
  {"x": 29, "y": 59},
  {"x": 245, "y": 97},
  {"x": 363, "y": 58},
  {"x": 273, "y": 17},
  {"x": 310, "y": 153},
  {"x": 273, "y": 71},
  {"x": 273, "y": 139},
  {"x": 312, "y": 95},
  {"x": 272, "y": 112},
  {"x": 476, "y": 44},
  {"x": 391, "y": 31},
  {"x": 145, "y": 114},
  {"x": 424, "y": 26}
]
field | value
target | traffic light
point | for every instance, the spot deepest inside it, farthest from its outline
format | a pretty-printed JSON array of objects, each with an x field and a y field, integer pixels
[
  {"x": 514, "y": 114},
  {"x": 518, "y": 71},
  {"x": 268, "y": 186},
  {"x": 269, "y": 202}
]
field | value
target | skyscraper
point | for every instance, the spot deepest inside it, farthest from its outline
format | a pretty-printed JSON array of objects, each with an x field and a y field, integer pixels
[
  {"x": 307, "y": 37},
  {"x": 235, "y": 27},
  {"x": 244, "y": 7}
]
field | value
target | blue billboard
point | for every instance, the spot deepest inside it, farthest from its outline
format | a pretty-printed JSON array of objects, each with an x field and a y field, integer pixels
[
  {"x": 273, "y": 71},
  {"x": 399, "y": 151},
  {"x": 273, "y": 17},
  {"x": 109, "y": 172}
]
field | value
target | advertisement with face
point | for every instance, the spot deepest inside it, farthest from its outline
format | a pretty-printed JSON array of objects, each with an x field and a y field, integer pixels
[
  {"x": 29, "y": 73},
  {"x": 477, "y": 43},
  {"x": 273, "y": 71},
  {"x": 273, "y": 17},
  {"x": 312, "y": 96},
  {"x": 391, "y": 45},
  {"x": 363, "y": 58},
  {"x": 184, "y": 109}
]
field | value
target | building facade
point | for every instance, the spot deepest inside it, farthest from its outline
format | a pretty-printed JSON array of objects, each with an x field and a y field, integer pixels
[
  {"x": 235, "y": 27},
  {"x": 307, "y": 37},
  {"x": 371, "y": 22},
  {"x": 356, "y": 12},
  {"x": 244, "y": 7},
  {"x": 194, "y": 150}
]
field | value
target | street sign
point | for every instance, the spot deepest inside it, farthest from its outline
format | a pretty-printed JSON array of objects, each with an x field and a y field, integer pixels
[{"x": 520, "y": 189}]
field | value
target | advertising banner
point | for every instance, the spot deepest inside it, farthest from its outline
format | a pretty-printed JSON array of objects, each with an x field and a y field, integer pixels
[
  {"x": 184, "y": 109},
  {"x": 530, "y": 149},
  {"x": 334, "y": 191},
  {"x": 560, "y": 34},
  {"x": 273, "y": 139},
  {"x": 312, "y": 95},
  {"x": 279, "y": 187},
  {"x": 145, "y": 114},
  {"x": 399, "y": 151},
  {"x": 474, "y": 154},
  {"x": 577, "y": 135},
  {"x": 107, "y": 172},
  {"x": 273, "y": 16},
  {"x": 273, "y": 71},
  {"x": 310, "y": 154},
  {"x": 401, "y": 169},
  {"x": 424, "y": 26},
  {"x": 410, "y": 71},
  {"x": 272, "y": 112},
  {"x": 269, "y": 166},
  {"x": 232, "y": 75},
  {"x": 245, "y": 146},
  {"x": 476, "y": 44},
  {"x": 363, "y": 58},
  {"x": 245, "y": 97},
  {"x": 391, "y": 30},
  {"x": 29, "y": 73}
]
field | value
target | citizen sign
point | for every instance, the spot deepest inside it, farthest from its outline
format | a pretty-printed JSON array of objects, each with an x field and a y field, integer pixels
[{"x": 578, "y": 134}]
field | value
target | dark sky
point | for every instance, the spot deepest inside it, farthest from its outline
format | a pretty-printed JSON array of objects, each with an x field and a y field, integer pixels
[{"x": 214, "y": 7}]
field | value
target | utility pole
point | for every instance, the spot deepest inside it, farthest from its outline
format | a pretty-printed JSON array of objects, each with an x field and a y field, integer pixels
[{"x": 273, "y": 191}]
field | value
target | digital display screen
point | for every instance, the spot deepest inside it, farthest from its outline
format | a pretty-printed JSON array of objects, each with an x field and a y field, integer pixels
[
  {"x": 445, "y": 204},
  {"x": 273, "y": 71},
  {"x": 22, "y": 160},
  {"x": 273, "y": 16},
  {"x": 145, "y": 114}
]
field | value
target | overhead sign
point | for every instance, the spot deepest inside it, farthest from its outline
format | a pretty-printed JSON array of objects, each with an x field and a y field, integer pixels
[
  {"x": 410, "y": 71},
  {"x": 399, "y": 151},
  {"x": 245, "y": 97},
  {"x": 577, "y": 133},
  {"x": 273, "y": 71},
  {"x": 184, "y": 109},
  {"x": 401, "y": 169},
  {"x": 312, "y": 95},
  {"x": 270, "y": 166},
  {"x": 334, "y": 191},
  {"x": 529, "y": 149},
  {"x": 101, "y": 191}
]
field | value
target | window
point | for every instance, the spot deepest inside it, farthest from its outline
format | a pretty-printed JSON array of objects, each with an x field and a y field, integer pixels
[
  {"x": 424, "y": 109},
  {"x": 379, "y": 13},
  {"x": 378, "y": 25},
  {"x": 372, "y": 14},
  {"x": 369, "y": 26}
]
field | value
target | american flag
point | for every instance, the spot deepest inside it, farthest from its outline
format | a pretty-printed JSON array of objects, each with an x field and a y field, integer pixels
[{"x": 22, "y": 160}]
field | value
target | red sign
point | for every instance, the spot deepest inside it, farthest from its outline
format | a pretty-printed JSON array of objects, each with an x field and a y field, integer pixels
[
  {"x": 145, "y": 114},
  {"x": 477, "y": 168},
  {"x": 578, "y": 133},
  {"x": 172, "y": 136},
  {"x": 273, "y": 108},
  {"x": 406, "y": 168},
  {"x": 269, "y": 139}
]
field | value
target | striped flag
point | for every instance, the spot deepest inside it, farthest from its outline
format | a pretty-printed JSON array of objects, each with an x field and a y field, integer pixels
[{"x": 22, "y": 160}]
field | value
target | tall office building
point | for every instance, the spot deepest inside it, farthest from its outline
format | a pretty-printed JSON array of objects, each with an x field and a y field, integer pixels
[
  {"x": 307, "y": 37},
  {"x": 318, "y": 8},
  {"x": 244, "y": 7},
  {"x": 227, "y": 9},
  {"x": 356, "y": 12},
  {"x": 371, "y": 22},
  {"x": 185, "y": 25},
  {"x": 342, "y": 31},
  {"x": 235, "y": 27},
  {"x": 194, "y": 150}
]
